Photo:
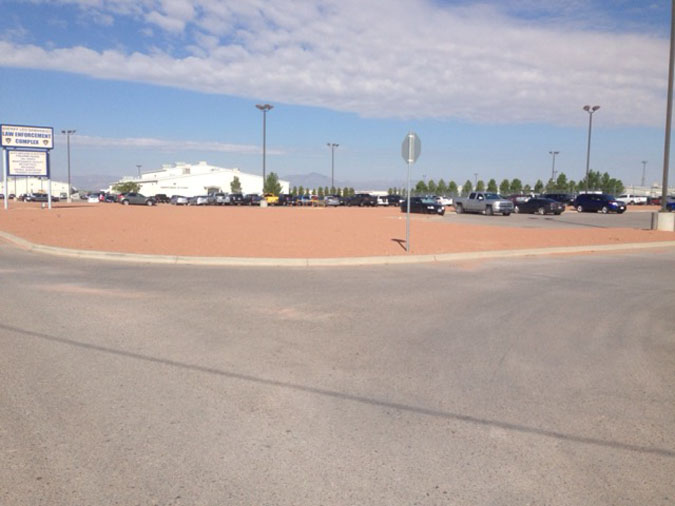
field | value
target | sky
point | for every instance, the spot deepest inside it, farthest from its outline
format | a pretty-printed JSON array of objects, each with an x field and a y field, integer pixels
[{"x": 490, "y": 87}]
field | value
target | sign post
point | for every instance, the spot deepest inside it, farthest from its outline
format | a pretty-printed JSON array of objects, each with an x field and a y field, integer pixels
[
  {"x": 410, "y": 150},
  {"x": 25, "y": 152}
]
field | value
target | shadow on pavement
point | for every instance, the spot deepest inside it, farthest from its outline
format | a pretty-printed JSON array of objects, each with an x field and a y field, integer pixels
[{"x": 617, "y": 445}]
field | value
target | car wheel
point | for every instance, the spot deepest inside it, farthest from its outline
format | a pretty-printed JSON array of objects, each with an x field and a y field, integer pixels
[
  {"x": 541, "y": 211},
  {"x": 621, "y": 211},
  {"x": 459, "y": 209},
  {"x": 507, "y": 214},
  {"x": 580, "y": 209},
  {"x": 516, "y": 209},
  {"x": 557, "y": 213},
  {"x": 125, "y": 202},
  {"x": 488, "y": 211},
  {"x": 604, "y": 210},
  {"x": 150, "y": 203}
]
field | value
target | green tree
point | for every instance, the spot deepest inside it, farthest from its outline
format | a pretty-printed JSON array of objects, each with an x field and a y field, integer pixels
[
  {"x": 492, "y": 186},
  {"x": 442, "y": 188},
  {"x": 431, "y": 187},
  {"x": 301, "y": 190},
  {"x": 538, "y": 186},
  {"x": 480, "y": 186},
  {"x": 294, "y": 191},
  {"x": 235, "y": 185},
  {"x": 126, "y": 187},
  {"x": 332, "y": 190},
  {"x": 527, "y": 189},
  {"x": 571, "y": 186},
  {"x": 516, "y": 186},
  {"x": 452, "y": 188},
  {"x": 351, "y": 192},
  {"x": 321, "y": 193},
  {"x": 466, "y": 189},
  {"x": 421, "y": 187},
  {"x": 272, "y": 184},
  {"x": 561, "y": 182},
  {"x": 550, "y": 185},
  {"x": 504, "y": 187}
]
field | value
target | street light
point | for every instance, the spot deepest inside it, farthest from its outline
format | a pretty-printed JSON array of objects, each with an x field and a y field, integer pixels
[
  {"x": 264, "y": 108},
  {"x": 590, "y": 110},
  {"x": 553, "y": 153},
  {"x": 139, "y": 170},
  {"x": 68, "y": 133},
  {"x": 644, "y": 166},
  {"x": 332, "y": 147}
]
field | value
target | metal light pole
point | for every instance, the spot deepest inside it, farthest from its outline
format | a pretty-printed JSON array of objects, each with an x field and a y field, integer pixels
[
  {"x": 68, "y": 133},
  {"x": 590, "y": 110},
  {"x": 644, "y": 166},
  {"x": 264, "y": 108},
  {"x": 553, "y": 153},
  {"x": 139, "y": 170},
  {"x": 475, "y": 180},
  {"x": 332, "y": 147},
  {"x": 669, "y": 112}
]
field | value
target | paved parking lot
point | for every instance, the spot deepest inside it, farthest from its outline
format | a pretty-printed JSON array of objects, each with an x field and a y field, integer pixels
[
  {"x": 539, "y": 381},
  {"x": 636, "y": 219}
]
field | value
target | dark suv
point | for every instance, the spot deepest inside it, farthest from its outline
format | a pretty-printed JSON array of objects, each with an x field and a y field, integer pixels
[
  {"x": 594, "y": 202},
  {"x": 362, "y": 199}
]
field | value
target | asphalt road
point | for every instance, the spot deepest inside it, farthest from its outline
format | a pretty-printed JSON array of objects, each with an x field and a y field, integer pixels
[
  {"x": 635, "y": 218},
  {"x": 535, "y": 381}
]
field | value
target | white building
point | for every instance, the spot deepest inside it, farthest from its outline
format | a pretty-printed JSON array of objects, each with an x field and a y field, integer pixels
[
  {"x": 201, "y": 178},
  {"x": 26, "y": 184}
]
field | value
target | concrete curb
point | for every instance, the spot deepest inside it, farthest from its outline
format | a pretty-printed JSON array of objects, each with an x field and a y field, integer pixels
[{"x": 324, "y": 262}]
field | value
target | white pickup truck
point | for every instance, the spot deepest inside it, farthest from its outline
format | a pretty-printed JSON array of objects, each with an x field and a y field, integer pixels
[
  {"x": 631, "y": 199},
  {"x": 485, "y": 203}
]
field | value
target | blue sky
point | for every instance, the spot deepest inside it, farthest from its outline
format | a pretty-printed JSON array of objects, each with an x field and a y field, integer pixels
[{"x": 490, "y": 87}]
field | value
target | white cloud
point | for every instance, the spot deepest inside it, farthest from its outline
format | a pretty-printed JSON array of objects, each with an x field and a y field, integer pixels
[
  {"x": 404, "y": 58},
  {"x": 168, "y": 145}
]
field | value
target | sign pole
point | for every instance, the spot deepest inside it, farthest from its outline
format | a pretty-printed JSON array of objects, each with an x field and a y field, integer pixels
[
  {"x": 407, "y": 217},
  {"x": 410, "y": 150},
  {"x": 4, "y": 176}
]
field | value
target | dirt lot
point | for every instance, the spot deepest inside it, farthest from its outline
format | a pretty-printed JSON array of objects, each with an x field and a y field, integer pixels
[{"x": 281, "y": 232}]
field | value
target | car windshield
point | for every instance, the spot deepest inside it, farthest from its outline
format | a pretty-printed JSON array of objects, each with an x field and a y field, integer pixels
[
  {"x": 492, "y": 196},
  {"x": 427, "y": 200}
]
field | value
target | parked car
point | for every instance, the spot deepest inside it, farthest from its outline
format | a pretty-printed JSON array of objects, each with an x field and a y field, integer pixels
[
  {"x": 199, "y": 200},
  {"x": 36, "y": 197},
  {"x": 594, "y": 202},
  {"x": 136, "y": 199},
  {"x": 251, "y": 199},
  {"x": 670, "y": 205},
  {"x": 362, "y": 200},
  {"x": 302, "y": 200},
  {"x": 445, "y": 201},
  {"x": 178, "y": 200},
  {"x": 631, "y": 199},
  {"x": 425, "y": 205},
  {"x": 162, "y": 198},
  {"x": 285, "y": 199},
  {"x": 539, "y": 205},
  {"x": 382, "y": 200},
  {"x": 394, "y": 200},
  {"x": 331, "y": 201},
  {"x": 234, "y": 199},
  {"x": 271, "y": 199},
  {"x": 565, "y": 198},
  {"x": 483, "y": 202}
]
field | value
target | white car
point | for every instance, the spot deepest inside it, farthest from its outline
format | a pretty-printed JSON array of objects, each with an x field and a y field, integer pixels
[
  {"x": 631, "y": 199},
  {"x": 382, "y": 200}
]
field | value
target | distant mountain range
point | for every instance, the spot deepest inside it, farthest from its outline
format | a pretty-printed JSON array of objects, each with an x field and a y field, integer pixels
[
  {"x": 314, "y": 180},
  {"x": 93, "y": 182}
]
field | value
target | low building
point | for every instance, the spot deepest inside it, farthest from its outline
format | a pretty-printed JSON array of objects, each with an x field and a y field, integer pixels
[
  {"x": 20, "y": 185},
  {"x": 191, "y": 180}
]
